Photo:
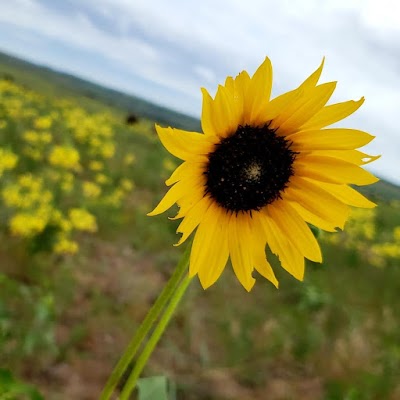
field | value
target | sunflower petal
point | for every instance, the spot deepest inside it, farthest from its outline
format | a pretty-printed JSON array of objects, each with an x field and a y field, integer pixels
[
  {"x": 353, "y": 156},
  {"x": 317, "y": 201},
  {"x": 312, "y": 218},
  {"x": 259, "y": 92},
  {"x": 174, "y": 194},
  {"x": 277, "y": 105},
  {"x": 207, "y": 123},
  {"x": 296, "y": 230},
  {"x": 241, "y": 257},
  {"x": 313, "y": 79},
  {"x": 183, "y": 144},
  {"x": 302, "y": 110},
  {"x": 329, "y": 169},
  {"x": 242, "y": 82},
  {"x": 291, "y": 259},
  {"x": 185, "y": 170},
  {"x": 261, "y": 263},
  {"x": 223, "y": 113},
  {"x": 332, "y": 113},
  {"x": 230, "y": 85},
  {"x": 194, "y": 194},
  {"x": 347, "y": 195},
  {"x": 210, "y": 252},
  {"x": 192, "y": 219},
  {"x": 329, "y": 139}
]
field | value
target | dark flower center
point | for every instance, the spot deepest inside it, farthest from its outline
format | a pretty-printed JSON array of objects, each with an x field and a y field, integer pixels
[{"x": 249, "y": 169}]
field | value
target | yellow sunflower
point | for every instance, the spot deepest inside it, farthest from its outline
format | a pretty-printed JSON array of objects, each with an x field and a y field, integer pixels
[{"x": 261, "y": 172}]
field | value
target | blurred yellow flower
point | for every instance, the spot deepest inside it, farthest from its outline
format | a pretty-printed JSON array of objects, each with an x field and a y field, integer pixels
[
  {"x": 8, "y": 160},
  {"x": 65, "y": 157},
  {"x": 43, "y": 122},
  {"x": 108, "y": 150},
  {"x": 82, "y": 220},
  {"x": 31, "y": 136},
  {"x": 96, "y": 165},
  {"x": 91, "y": 190},
  {"x": 65, "y": 246},
  {"x": 127, "y": 185},
  {"x": 27, "y": 225},
  {"x": 101, "y": 179}
]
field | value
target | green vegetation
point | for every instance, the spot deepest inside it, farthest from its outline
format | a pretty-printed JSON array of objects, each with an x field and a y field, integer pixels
[{"x": 67, "y": 311}]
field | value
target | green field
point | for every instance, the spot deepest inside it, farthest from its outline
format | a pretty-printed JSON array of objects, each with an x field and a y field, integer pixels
[{"x": 81, "y": 263}]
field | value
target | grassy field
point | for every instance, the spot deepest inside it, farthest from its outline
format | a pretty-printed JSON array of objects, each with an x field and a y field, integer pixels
[{"x": 80, "y": 265}]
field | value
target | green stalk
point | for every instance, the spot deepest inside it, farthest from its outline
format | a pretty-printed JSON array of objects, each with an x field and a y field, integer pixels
[
  {"x": 143, "y": 330},
  {"x": 154, "y": 338}
]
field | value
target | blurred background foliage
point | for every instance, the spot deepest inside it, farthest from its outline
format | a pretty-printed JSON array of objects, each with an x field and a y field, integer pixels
[{"x": 80, "y": 264}]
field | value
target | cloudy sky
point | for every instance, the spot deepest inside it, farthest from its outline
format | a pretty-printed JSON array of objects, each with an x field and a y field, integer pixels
[{"x": 165, "y": 50}]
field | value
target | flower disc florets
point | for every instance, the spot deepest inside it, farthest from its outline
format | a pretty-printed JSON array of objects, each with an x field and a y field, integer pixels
[{"x": 249, "y": 169}]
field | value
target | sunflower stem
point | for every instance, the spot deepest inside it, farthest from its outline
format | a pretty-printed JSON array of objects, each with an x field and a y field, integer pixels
[
  {"x": 155, "y": 337},
  {"x": 168, "y": 292}
]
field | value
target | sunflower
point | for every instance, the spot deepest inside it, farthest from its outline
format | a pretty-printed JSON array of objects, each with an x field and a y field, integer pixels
[{"x": 261, "y": 173}]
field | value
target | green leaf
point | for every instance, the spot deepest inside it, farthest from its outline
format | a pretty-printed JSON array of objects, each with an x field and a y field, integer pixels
[{"x": 155, "y": 387}]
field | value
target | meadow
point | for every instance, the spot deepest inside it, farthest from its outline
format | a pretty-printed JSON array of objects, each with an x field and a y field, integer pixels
[{"x": 81, "y": 263}]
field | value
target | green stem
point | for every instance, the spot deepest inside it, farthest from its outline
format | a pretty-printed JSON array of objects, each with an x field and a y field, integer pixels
[
  {"x": 146, "y": 326},
  {"x": 154, "y": 338}
]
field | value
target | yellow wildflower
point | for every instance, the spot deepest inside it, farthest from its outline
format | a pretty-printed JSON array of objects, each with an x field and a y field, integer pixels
[
  {"x": 65, "y": 246},
  {"x": 43, "y": 122},
  {"x": 8, "y": 160},
  {"x": 65, "y": 157},
  {"x": 91, "y": 190},
  {"x": 96, "y": 165},
  {"x": 82, "y": 220}
]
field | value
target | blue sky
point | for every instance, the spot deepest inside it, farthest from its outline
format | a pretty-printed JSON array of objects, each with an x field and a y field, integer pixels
[{"x": 165, "y": 51}]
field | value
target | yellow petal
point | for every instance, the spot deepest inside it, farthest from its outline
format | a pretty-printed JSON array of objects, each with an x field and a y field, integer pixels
[
  {"x": 259, "y": 93},
  {"x": 171, "y": 197},
  {"x": 224, "y": 113},
  {"x": 291, "y": 259},
  {"x": 332, "y": 113},
  {"x": 192, "y": 219},
  {"x": 260, "y": 261},
  {"x": 347, "y": 195},
  {"x": 313, "y": 79},
  {"x": 241, "y": 87},
  {"x": 295, "y": 229},
  {"x": 329, "y": 169},
  {"x": 185, "y": 170},
  {"x": 317, "y": 201},
  {"x": 195, "y": 192},
  {"x": 329, "y": 139},
  {"x": 239, "y": 251},
  {"x": 207, "y": 123},
  {"x": 184, "y": 144},
  {"x": 353, "y": 156},
  {"x": 230, "y": 85},
  {"x": 277, "y": 105},
  {"x": 210, "y": 252},
  {"x": 312, "y": 218},
  {"x": 303, "y": 109}
]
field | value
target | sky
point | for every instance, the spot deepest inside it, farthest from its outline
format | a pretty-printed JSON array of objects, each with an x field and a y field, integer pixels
[{"x": 166, "y": 50}]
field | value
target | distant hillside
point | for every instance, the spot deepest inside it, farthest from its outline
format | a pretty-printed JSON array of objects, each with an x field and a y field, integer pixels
[
  {"x": 44, "y": 79},
  {"x": 382, "y": 190}
]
